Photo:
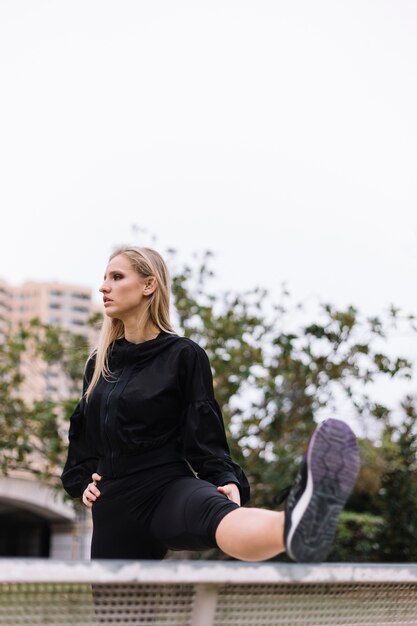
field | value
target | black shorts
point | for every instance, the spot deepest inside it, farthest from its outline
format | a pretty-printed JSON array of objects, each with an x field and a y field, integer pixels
[{"x": 142, "y": 515}]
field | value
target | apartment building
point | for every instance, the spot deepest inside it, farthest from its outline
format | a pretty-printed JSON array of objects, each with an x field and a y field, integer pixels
[
  {"x": 68, "y": 306},
  {"x": 34, "y": 519},
  {"x": 5, "y": 308}
]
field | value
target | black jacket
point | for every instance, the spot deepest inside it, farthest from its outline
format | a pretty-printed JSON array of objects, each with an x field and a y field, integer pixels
[{"x": 158, "y": 406}]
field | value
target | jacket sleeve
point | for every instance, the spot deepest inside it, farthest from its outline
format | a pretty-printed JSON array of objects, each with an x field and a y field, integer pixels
[
  {"x": 204, "y": 440},
  {"x": 82, "y": 460}
]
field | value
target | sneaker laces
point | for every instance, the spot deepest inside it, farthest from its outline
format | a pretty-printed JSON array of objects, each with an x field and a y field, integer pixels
[{"x": 292, "y": 490}]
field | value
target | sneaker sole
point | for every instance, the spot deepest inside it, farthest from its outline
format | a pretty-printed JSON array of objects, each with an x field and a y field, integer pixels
[{"x": 332, "y": 468}]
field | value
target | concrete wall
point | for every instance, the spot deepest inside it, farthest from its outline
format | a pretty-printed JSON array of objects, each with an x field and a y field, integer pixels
[{"x": 70, "y": 530}]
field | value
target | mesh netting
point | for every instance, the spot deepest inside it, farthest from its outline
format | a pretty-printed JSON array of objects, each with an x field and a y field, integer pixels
[
  {"x": 87, "y": 605},
  {"x": 350, "y": 604},
  {"x": 317, "y": 605}
]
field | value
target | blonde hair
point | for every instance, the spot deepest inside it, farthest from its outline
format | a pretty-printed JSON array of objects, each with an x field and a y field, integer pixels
[{"x": 148, "y": 263}]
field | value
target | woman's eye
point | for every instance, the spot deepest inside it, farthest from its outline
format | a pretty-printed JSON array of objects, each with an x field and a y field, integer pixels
[{"x": 117, "y": 276}]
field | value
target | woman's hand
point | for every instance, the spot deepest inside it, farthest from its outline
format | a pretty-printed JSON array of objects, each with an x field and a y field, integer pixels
[
  {"x": 91, "y": 493},
  {"x": 231, "y": 491}
]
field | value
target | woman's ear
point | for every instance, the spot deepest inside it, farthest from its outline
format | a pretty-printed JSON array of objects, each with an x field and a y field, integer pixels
[{"x": 150, "y": 285}]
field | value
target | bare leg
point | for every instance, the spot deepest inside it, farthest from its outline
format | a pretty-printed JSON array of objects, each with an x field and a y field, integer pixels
[{"x": 251, "y": 534}]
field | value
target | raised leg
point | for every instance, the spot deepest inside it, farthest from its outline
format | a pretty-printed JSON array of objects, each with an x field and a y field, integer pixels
[
  {"x": 251, "y": 534},
  {"x": 307, "y": 529}
]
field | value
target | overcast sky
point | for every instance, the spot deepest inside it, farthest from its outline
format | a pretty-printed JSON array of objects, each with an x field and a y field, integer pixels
[{"x": 280, "y": 135}]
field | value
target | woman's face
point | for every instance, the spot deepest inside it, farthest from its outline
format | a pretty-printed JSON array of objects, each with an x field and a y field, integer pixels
[{"x": 124, "y": 290}]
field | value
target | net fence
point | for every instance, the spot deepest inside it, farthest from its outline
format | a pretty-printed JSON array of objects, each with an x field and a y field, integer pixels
[{"x": 205, "y": 594}]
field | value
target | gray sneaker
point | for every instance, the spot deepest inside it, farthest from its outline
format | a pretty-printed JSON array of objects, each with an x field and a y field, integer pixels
[{"x": 319, "y": 493}]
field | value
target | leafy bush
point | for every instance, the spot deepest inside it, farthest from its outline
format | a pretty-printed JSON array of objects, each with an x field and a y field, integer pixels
[{"x": 357, "y": 538}]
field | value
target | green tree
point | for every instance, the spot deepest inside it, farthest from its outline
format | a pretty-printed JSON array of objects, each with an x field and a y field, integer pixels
[
  {"x": 274, "y": 377},
  {"x": 399, "y": 488},
  {"x": 33, "y": 434}
]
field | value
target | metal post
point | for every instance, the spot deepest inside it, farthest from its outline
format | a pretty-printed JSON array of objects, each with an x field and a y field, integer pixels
[{"x": 204, "y": 608}]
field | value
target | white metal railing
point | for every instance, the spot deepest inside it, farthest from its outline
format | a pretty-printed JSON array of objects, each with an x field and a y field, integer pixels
[{"x": 205, "y": 593}]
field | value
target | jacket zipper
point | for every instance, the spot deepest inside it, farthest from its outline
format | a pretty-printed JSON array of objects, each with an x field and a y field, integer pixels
[{"x": 107, "y": 426}]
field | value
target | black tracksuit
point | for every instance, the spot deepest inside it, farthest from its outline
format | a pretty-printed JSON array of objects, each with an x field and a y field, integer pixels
[{"x": 141, "y": 430}]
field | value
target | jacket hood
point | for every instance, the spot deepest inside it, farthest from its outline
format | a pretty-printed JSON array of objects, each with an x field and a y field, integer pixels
[{"x": 123, "y": 352}]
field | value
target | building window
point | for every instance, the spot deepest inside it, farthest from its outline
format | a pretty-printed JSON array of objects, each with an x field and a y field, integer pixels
[
  {"x": 54, "y": 305},
  {"x": 78, "y": 322},
  {"x": 80, "y": 309},
  {"x": 80, "y": 296},
  {"x": 55, "y": 292}
]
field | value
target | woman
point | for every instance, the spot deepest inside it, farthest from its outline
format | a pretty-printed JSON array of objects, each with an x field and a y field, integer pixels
[{"x": 148, "y": 450}]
